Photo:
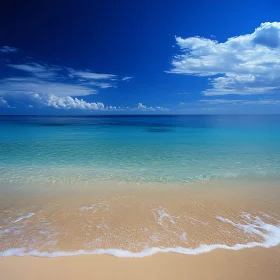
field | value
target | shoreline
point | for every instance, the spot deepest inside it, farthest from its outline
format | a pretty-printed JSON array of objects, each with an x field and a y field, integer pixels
[
  {"x": 246, "y": 264},
  {"x": 129, "y": 220},
  {"x": 219, "y": 213}
]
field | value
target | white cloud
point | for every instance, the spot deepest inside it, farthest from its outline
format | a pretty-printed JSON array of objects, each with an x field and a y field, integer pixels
[
  {"x": 7, "y": 49},
  {"x": 240, "y": 102},
  {"x": 38, "y": 100},
  {"x": 32, "y": 67},
  {"x": 246, "y": 64},
  {"x": 142, "y": 107},
  {"x": 67, "y": 102},
  {"x": 60, "y": 81},
  {"x": 38, "y": 70},
  {"x": 35, "y": 85},
  {"x": 101, "y": 84},
  {"x": 127, "y": 78},
  {"x": 52, "y": 71},
  {"x": 3, "y": 103},
  {"x": 90, "y": 75}
]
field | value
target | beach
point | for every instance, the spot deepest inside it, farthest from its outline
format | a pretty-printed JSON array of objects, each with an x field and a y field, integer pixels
[
  {"x": 129, "y": 220},
  {"x": 140, "y": 140},
  {"x": 199, "y": 203},
  {"x": 80, "y": 198},
  {"x": 256, "y": 263}
]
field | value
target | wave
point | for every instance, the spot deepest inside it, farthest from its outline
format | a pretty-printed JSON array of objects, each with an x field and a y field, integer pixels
[
  {"x": 23, "y": 217},
  {"x": 253, "y": 225}
]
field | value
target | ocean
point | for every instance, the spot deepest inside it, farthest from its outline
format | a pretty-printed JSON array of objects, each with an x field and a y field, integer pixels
[
  {"x": 138, "y": 148},
  {"x": 137, "y": 185}
]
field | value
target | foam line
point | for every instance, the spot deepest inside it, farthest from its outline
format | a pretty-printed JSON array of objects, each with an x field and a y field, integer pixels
[
  {"x": 23, "y": 217},
  {"x": 270, "y": 234},
  {"x": 128, "y": 254}
]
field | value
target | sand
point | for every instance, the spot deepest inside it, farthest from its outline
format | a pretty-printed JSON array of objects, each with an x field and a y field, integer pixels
[
  {"x": 255, "y": 263},
  {"x": 132, "y": 218},
  {"x": 70, "y": 219}
]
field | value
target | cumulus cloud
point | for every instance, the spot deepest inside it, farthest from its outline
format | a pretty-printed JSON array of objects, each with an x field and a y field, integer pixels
[
  {"x": 142, "y": 107},
  {"x": 42, "y": 100},
  {"x": 4, "y": 103},
  {"x": 39, "y": 100},
  {"x": 7, "y": 49},
  {"x": 66, "y": 102},
  {"x": 246, "y": 64}
]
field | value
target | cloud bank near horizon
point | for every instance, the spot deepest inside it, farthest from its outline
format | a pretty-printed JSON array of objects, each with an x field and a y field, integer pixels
[{"x": 37, "y": 85}]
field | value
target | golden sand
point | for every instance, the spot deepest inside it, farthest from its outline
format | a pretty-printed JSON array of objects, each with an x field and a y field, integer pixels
[
  {"x": 134, "y": 218},
  {"x": 247, "y": 264}
]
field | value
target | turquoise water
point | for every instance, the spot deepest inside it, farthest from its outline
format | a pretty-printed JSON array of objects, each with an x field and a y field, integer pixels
[{"x": 140, "y": 148}]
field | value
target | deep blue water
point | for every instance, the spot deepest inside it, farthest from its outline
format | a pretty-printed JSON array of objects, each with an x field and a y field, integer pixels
[{"x": 146, "y": 148}]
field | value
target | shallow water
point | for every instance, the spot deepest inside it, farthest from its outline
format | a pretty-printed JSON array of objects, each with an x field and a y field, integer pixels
[{"x": 138, "y": 148}]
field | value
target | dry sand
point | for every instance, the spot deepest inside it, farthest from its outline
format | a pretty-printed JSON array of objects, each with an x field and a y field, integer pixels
[{"x": 256, "y": 263}]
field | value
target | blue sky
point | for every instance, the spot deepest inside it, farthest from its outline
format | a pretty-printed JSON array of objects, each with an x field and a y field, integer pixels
[{"x": 131, "y": 57}]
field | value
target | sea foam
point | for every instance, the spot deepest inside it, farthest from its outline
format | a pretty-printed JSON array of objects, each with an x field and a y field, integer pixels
[
  {"x": 253, "y": 225},
  {"x": 23, "y": 217}
]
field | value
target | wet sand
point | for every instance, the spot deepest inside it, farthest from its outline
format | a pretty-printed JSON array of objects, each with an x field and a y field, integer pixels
[
  {"x": 246, "y": 264},
  {"x": 134, "y": 218}
]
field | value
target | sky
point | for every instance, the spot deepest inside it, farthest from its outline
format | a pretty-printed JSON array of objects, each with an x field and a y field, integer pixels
[{"x": 140, "y": 57}]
